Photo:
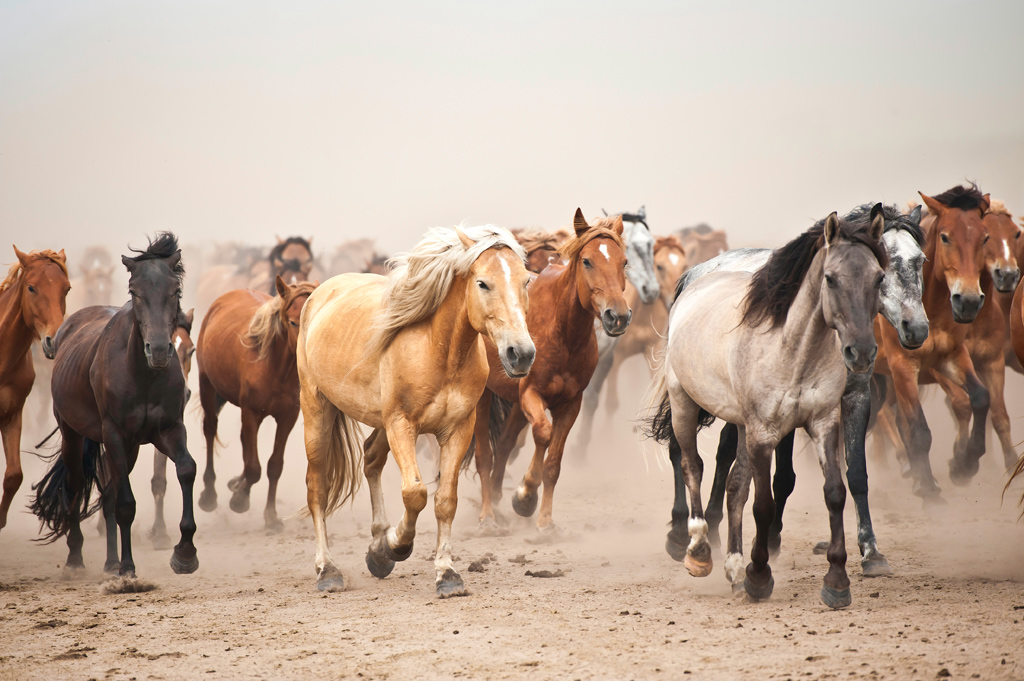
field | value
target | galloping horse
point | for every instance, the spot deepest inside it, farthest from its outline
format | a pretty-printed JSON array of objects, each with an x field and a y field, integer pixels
[
  {"x": 246, "y": 352},
  {"x": 404, "y": 355},
  {"x": 564, "y": 302},
  {"x": 32, "y": 301},
  {"x": 117, "y": 383},
  {"x": 745, "y": 347},
  {"x": 953, "y": 297},
  {"x": 900, "y": 302}
]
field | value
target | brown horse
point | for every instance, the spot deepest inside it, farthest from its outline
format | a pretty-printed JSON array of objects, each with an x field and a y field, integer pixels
[
  {"x": 564, "y": 301},
  {"x": 184, "y": 348},
  {"x": 246, "y": 355},
  {"x": 952, "y": 297},
  {"x": 646, "y": 333},
  {"x": 32, "y": 301},
  {"x": 541, "y": 247},
  {"x": 292, "y": 260},
  {"x": 1000, "y": 221}
]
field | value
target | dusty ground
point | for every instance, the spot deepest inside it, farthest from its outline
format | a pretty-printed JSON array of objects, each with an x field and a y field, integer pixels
[{"x": 622, "y": 610}]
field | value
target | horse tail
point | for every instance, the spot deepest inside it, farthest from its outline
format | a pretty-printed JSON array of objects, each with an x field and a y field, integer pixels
[
  {"x": 657, "y": 425},
  {"x": 47, "y": 438},
  {"x": 56, "y": 504},
  {"x": 341, "y": 453},
  {"x": 1017, "y": 470}
]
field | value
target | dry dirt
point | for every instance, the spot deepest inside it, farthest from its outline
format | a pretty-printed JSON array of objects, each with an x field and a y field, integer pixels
[{"x": 621, "y": 610}]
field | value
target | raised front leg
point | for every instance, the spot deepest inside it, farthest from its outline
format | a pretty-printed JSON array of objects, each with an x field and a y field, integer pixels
[
  {"x": 447, "y": 580},
  {"x": 158, "y": 535},
  {"x": 402, "y": 433},
  {"x": 514, "y": 425},
  {"x": 211, "y": 404},
  {"x": 10, "y": 432},
  {"x": 563, "y": 418},
  {"x": 274, "y": 468},
  {"x": 963, "y": 467},
  {"x": 251, "y": 471},
  {"x": 524, "y": 501},
  {"x": 836, "y": 591},
  {"x": 173, "y": 441}
]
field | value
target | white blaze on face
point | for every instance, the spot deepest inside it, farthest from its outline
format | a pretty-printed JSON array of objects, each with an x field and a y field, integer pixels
[
  {"x": 177, "y": 343},
  {"x": 673, "y": 258},
  {"x": 604, "y": 251},
  {"x": 1006, "y": 250},
  {"x": 505, "y": 268}
]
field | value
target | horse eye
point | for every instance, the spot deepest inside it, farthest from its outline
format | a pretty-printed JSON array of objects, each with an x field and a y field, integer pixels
[
  {"x": 586, "y": 262},
  {"x": 945, "y": 239},
  {"x": 293, "y": 323},
  {"x": 830, "y": 281},
  {"x": 31, "y": 289},
  {"x": 1017, "y": 235},
  {"x": 986, "y": 239},
  {"x": 483, "y": 286}
]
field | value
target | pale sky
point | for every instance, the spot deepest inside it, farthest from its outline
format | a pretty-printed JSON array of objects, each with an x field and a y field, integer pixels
[{"x": 242, "y": 120}]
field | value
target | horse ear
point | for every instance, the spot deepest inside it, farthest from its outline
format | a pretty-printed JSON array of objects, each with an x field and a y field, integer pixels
[
  {"x": 282, "y": 288},
  {"x": 617, "y": 226},
  {"x": 60, "y": 256},
  {"x": 175, "y": 258},
  {"x": 579, "y": 223},
  {"x": 986, "y": 203},
  {"x": 279, "y": 239},
  {"x": 934, "y": 207},
  {"x": 877, "y": 221},
  {"x": 22, "y": 257},
  {"x": 915, "y": 215},
  {"x": 309, "y": 241},
  {"x": 831, "y": 228},
  {"x": 190, "y": 317},
  {"x": 129, "y": 263},
  {"x": 466, "y": 241}
]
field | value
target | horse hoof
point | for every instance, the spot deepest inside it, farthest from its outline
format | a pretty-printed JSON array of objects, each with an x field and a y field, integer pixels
[
  {"x": 834, "y": 598},
  {"x": 676, "y": 550},
  {"x": 933, "y": 501},
  {"x": 239, "y": 502},
  {"x": 697, "y": 568},
  {"x": 488, "y": 527},
  {"x": 235, "y": 484},
  {"x": 961, "y": 475},
  {"x": 738, "y": 589},
  {"x": 774, "y": 545},
  {"x": 524, "y": 505},
  {"x": 112, "y": 567},
  {"x": 162, "y": 541},
  {"x": 330, "y": 579},
  {"x": 208, "y": 501},
  {"x": 274, "y": 525},
  {"x": 377, "y": 561},
  {"x": 397, "y": 555},
  {"x": 184, "y": 566},
  {"x": 127, "y": 572},
  {"x": 820, "y": 549},
  {"x": 759, "y": 593},
  {"x": 450, "y": 585},
  {"x": 876, "y": 567}
]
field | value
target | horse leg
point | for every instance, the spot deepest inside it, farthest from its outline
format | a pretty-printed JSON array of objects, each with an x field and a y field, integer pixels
[
  {"x": 782, "y": 486},
  {"x": 184, "y": 560},
  {"x": 116, "y": 456},
  {"x": 108, "y": 521},
  {"x": 685, "y": 412},
  {"x": 836, "y": 590},
  {"x": 484, "y": 460},
  {"x": 241, "y": 485},
  {"x": 964, "y": 465},
  {"x": 509, "y": 437},
  {"x": 398, "y": 541},
  {"x": 592, "y": 398},
  {"x": 447, "y": 581},
  {"x": 376, "y": 450},
  {"x": 759, "y": 582},
  {"x": 71, "y": 452},
  {"x": 10, "y": 433},
  {"x": 737, "y": 486},
  {"x": 524, "y": 501},
  {"x": 274, "y": 467},
  {"x": 158, "y": 484},
  {"x": 562, "y": 420},
  {"x": 713, "y": 513},
  {"x": 856, "y": 411},
  {"x": 993, "y": 377},
  {"x": 316, "y": 413},
  {"x": 211, "y": 404},
  {"x": 914, "y": 431}
]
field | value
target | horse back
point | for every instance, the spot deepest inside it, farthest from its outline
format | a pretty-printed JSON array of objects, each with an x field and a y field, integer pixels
[{"x": 71, "y": 388}]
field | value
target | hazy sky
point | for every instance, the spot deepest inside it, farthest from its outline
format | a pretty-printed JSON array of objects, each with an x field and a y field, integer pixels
[{"x": 242, "y": 120}]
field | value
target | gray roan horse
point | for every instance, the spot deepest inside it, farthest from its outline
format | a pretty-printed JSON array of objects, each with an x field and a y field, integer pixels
[
  {"x": 901, "y": 305},
  {"x": 769, "y": 352},
  {"x": 640, "y": 273}
]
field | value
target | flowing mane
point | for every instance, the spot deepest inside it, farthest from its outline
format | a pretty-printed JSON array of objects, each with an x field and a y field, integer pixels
[
  {"x": 997, "y": 207},
  {"x": 268, "y": 322},
  {"x": 419, "y": 281},
  {"x": 601, "y": 228},
  {"x": 16, "y": 269},
  {"x": 164, "y": 246},
  {"x": 774, "y": 287},
  {"x": 894, "y": 220},
  {"x": 961, "y": 197},
  {"x": 535, "y": 239}
]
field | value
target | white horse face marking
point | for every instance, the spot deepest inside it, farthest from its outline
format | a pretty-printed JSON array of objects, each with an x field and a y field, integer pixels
[
  {"x": 900, "y": 294},
  {"x": 673, "y": 258},
  {"x": 604, "y": 251}
]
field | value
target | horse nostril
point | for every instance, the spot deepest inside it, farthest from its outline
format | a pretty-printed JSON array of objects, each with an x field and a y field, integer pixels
[
  {"x": 512, "y": 355},
  {"x": 849, "y": 354},
  {"x": 148, "y": 349}
]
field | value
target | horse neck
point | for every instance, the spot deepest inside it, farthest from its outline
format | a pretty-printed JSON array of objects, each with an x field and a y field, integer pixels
[
  {"x": 451, "y": 323},
  {"x": 805, "y": 328},
  {"x": 575, "y": 321},
  {"x": 15, "y": 335},
  {"x": 936, "y": 291}
]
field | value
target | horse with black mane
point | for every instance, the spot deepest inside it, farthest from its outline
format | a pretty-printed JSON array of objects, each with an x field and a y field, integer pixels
[{"x": 117, "y": 384}]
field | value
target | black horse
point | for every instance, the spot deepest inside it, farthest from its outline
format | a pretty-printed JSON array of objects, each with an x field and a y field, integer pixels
[{"x": 117, "y": 383}]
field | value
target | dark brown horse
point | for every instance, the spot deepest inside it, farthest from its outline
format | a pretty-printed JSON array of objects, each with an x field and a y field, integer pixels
[
  {"x": 246, "y": 355},
  {"x": 31, "y": 308},
  {"x": 564, "y": 301},
  {"x": 117, "y": 384},
  {"x": 292, "y": 260}
]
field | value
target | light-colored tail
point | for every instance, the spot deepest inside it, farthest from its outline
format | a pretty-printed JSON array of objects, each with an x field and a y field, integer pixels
[
  {"x": 1017, "y": 470},
  {"x": 342, "y": 445}
]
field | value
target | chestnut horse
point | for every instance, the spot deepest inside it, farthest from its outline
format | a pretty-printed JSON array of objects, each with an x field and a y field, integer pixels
[
  {"x": 246, "y": 355},
  {"x": 564, "y": 302},
  {"x": 541, "y": 247},
  {"x": 32, "y": 301},
  {"x": 117, "y": 384},
  {"x": 404, "y": 355},
  {"x": 953, "y": 297}
]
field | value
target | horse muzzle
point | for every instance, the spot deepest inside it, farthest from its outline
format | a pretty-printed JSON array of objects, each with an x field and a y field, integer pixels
[
  {"x": 1005, "y": 279},
  {"x": 966, "y": 307},
  {"x": 649, "y": 293},
  {"x": 159, "y": 357},
  {"x": 615, "y": 324},
  {"x": 49, "y": 347},
  {"x": 913, "y": 334},
  {"x": 860, "y": 358},
  {"x": 517, "y": 359}
]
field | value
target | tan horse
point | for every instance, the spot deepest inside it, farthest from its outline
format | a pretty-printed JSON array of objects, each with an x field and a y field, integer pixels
[
  {"x": 404, "y": 355},
  {"x": 702, "y": 247}
]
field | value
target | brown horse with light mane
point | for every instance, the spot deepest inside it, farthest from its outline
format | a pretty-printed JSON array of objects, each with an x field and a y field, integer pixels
[
  {"x": 32, "y": 305},
  {"x": 246, "y": 356},
  {"x": 953, "y": 297},
  {"x": 564, "y": 301}
]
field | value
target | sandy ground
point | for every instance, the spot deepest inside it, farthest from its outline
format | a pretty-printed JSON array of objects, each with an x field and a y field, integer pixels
[{"x": 622, "y": 609}]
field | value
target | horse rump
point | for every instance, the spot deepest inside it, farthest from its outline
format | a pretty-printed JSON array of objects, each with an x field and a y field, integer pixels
[
  {"x": 658, "y": 426},
  {"x": 56, "y": 504}
]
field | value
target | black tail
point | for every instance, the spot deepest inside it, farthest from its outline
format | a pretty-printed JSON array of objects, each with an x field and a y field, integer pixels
[
  {"x": 500, "y": 409},
  {"x": 47, "y": 438},
  {"x": 658, "y": 426},
  {"x": 55, "y": 503}
]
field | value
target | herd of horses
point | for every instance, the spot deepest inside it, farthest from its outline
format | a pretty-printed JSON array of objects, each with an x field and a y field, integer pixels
[{"x": 478, "y": 332}]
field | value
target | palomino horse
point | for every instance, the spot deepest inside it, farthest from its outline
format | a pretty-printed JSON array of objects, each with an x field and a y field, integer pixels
[
  {"x": 953, "y": 297},
  {"x": 31, "y": 308},
  {"x": 292, "y": 260},
  {"x": 404, "y": 355},
  {"x": 900, "y": 302},
  {"x": 246, "y": 353},
  {"x": 745, "y": 347},
  {"x": 184, "y": 348},
  {"x": 646, "y": 333},
  {"x": 564, "y": 302},
  {"x": 117, "y": 384}
]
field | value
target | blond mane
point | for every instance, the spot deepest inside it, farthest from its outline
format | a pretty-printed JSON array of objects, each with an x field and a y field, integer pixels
[
  {"x": 419, "y": 281},
  {"x": 268, "y": 322},
  {"x": 16, "y": 269},
  {"x": 997, "y": 207}
]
